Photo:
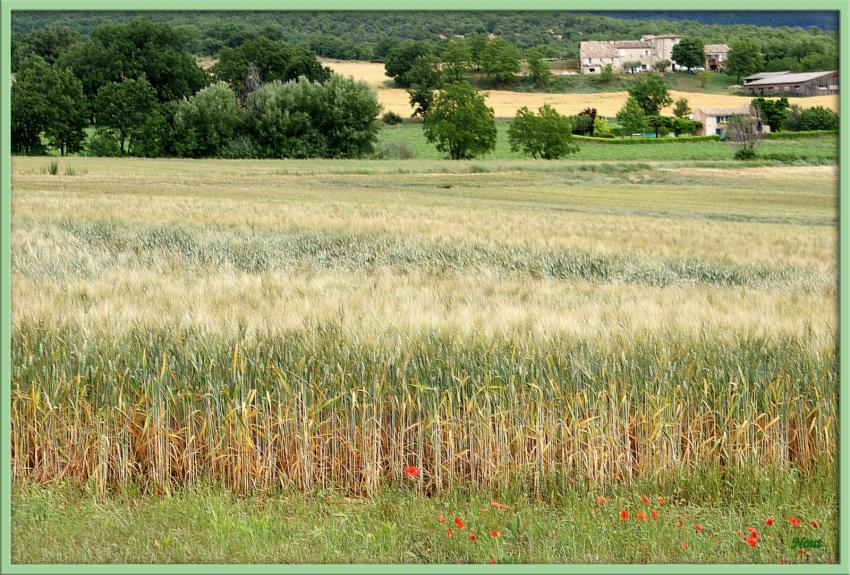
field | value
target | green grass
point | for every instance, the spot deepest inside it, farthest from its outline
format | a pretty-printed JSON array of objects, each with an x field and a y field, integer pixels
[
  {"x": 60, "y": 524},
  {"x": 814, "y": 150}
]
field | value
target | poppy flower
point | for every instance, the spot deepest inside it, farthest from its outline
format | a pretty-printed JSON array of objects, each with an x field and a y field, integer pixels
[
  {"x": 660, "y": 501},
  {"x": 601, "y": 500},
  {"x": 492, "y": 562},
  {"x": 814, "y": 524},
  {"x": 411, "y": 471},
  {"x": 753, "y": 533},
  {"x": 698, "y": 528},
  {"x": 680, "y": 522},
  {"x": 684, "y": 545},
  {"x": 752, "y": 542},
  {"x": 624, "y": 515},
  {"x": 641, "y": 516},
  {"x": 739, "y": 534},
  {"x": 441, "y": 519},
  {"x": 645, "y": 499},
  {"x": 472, "y": 537},
  {"x": 794, "y": 521},
  {"x": 450, "y": 532},
  {"x": 497, "y": 505},
  {"x": 768, "y": 521},
  {"x": 802, "y": 551},
  {"x": 458, "y": 522},
  {"x": 495, "y": 533},
  {"x": 654, "y": 514}
]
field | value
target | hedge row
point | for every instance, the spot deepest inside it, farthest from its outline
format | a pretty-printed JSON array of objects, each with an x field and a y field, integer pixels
[
  {"x": 796, "y": 135},
  {"x": 637, "y": 140}
]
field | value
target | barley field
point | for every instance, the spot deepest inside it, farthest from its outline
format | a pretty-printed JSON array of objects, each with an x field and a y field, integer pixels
[{"x": 324, "y": 326}]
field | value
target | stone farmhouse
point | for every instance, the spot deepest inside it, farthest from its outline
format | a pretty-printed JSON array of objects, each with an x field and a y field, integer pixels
[
  {"x": 596, "y": 54},
  {"x": 714, "y": 120}
]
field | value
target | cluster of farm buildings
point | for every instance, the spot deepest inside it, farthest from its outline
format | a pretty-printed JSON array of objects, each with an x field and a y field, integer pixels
[{"x": 650, "y": 52}]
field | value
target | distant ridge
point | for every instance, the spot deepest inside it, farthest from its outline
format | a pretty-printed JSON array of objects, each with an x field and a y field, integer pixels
[{"x": 775, "y": 19}]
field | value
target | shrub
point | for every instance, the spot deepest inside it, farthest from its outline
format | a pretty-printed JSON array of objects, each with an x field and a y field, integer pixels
[
  {"x": 395, "y": 151},
  {"x": 391, "y": 118},
  {"x": 239, "y": 148},
  {"x": 817, "y": 118},
  {"x": 103, "y": 142},
  {"x": 304, "y": 119},
  {"x": 53, "y": 167}
]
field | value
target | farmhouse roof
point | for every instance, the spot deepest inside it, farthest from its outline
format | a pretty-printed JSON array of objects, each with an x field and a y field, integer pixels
[
  {"x": 715, "y": 49},
  {"x": 659, "y": 36},
  {"x": 790, "y": 78},
  {"x": 608, "y": 48},
  {"x": 723, "y": 111},
  {"x": 765, "y": 75}
]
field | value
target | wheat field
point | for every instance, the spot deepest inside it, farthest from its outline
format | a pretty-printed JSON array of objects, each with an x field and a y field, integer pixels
[{"x": 323, "y": 324}]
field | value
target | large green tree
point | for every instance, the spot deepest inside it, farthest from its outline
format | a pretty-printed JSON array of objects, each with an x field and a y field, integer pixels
[
  {"x": 423, "y": 78},
  {"x": 69, "y": 118},
  {"x": 125, "y": 107},
  {"x": 457, "y": 58},
  {"x": 632, "y": 117},
  {"x": 538, "y": 70},
  {"x": 49, "y": 43},
  {"x": 399, "y": 60},
  {"x": 460, "y": 123},
  {"x": 772, "y": 111},
  {"x": 272, "y": 60},
  {"x": 500, "y": 60},
  {"x": 744, "y": 58},
  {"x": 206, "y": 122},
  {"x": 546, "y": 135},
  {"x": 650, "y": 93},
  {"x": 689, "y": 53}
]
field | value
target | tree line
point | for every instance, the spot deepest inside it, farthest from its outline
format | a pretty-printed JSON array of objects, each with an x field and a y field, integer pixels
[{"x": 370, "y": 35}]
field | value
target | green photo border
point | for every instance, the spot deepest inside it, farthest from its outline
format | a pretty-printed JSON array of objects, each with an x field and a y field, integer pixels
[{"x": 9, "y": 6}]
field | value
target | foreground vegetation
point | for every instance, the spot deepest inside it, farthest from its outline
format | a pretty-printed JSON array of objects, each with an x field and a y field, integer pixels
[{"x": 60, "y": 524}]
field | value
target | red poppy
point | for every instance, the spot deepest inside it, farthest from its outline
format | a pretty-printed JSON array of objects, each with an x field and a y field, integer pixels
[
  {"x": 495, "y": 533},
  {"x": 624, "y": 515},
  {"x": 660, "y": 500},
  {"x": 794, "y": 521},
  {"x": 680, "y": 522},
  {"x": 654, "y": 514},
  {"x": 458, "y": 522},
  {"x": 752, "y": 542},
  {"x": 492, "y": 561},
  {"x": 601, "y": 500},
  {"x": 497, "y": 505},
  {"x": 641, "y": 516},
  {"x": 450, "y": 532},
  {"x": 753, "y": 533},
  {"x": 441, "y": 519},
  {"x": 739, "y": 534},
  {"x": 768, "y": 521},
  {"x": 411, "y": 471},
  {"x": 472, "y": 537},
  {"x": 802, "y": 551},
  {"x": 645, "y": 499},
  {"x": 814, "y": 524},
  {"x": 684, "y": 545},
  {"x": 482, "y": 510},
  {"x": 698, "y": 528}
]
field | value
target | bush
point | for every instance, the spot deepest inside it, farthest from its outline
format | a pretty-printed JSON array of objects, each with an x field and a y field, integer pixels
[
  {"x": 103, "y": 143},
  {"x": 395, "y": 151},
  {"x": 391, "y": 118},
  {"x": 304, "y": 119},
  {"x": 745, "y": 154},
  {"x": 239, "y": 148},
  {"x": 817, "y": 118}
]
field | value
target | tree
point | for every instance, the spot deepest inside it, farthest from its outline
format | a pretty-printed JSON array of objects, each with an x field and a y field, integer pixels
[
  {"x": 206, "y": 122},
  {"x": 773, "y": 111},
  {"x": 383, "y": 47},
  {"x": 546, "y": 135},
  {"x": 682, "y": 125},
  {"x": 457, "y": 58},
  {"x": 500, "y": 60},
  {"x": 792, "y": 118},
  {"x": 423, "y": 78},
  {"x": 538, "y": 69},
  {"x": 600, "y": 126},
  {"x": 818, "y": 118},
  {"x": 49, "y": 43},
  {"x": 584, "y": 122},
  {"x": 631, "y": 66},
  {"x": 689, "y": 53},
  {"x": 460, "y": 123},
  {"x": 125, "y": 107},
  {"x": 651, "y": 94},
  {"x": 704, "y": 78},
  {"x": 477, "y": 44},
  {"x": 66, "y": 126},
  {"x": 305, "y": 119},
  {"x": 399, "y": 60},
  {"x": 661, "y": 65},
  {"x": 607, "y": 73},
  {"x": 272, "y": 60},
  {"x": 31, "y": 108},
  {"x": 743, "y": 130},
  {"x": 681, "y": 109},
  {"x": 631, "y": 116},
  {"x": 744, "y": 58}
]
